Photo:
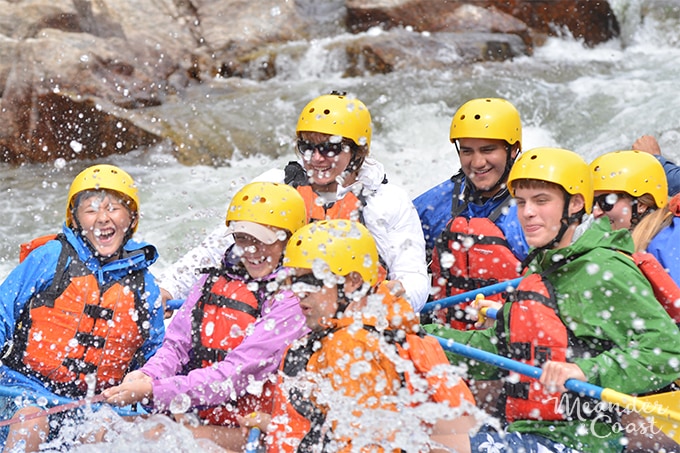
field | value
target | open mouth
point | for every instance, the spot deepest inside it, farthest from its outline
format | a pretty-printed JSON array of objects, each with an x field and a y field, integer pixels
[
  {"x": 324, "y": 172},
  {"x": 105, "y": 235}
]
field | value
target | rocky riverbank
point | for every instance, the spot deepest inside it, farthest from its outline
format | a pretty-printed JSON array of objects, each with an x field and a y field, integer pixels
[{"x": 78, "y": 77}]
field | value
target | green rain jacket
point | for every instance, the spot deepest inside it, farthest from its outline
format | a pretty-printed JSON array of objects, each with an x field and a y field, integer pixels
[{"x": 604, "y": 299}]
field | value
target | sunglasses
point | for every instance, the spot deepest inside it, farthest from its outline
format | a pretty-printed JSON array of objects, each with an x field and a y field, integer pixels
[
  {"x": 606, "y": 201},
  {"x": 326, "y": 149},
  {"x": 306, "y": 283}
]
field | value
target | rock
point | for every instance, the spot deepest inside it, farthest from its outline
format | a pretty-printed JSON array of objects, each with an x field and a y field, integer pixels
[
  {"x": 86, "y": 79},
  {"x": 593, "y": 21},
  {"x": 235, "y": 32},
  {"x": 400, "y": 50},
  {"x": 66, "y": 96}
]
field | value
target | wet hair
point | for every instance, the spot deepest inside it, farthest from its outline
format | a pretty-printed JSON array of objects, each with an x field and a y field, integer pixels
[{"x": 101, "y": 194}]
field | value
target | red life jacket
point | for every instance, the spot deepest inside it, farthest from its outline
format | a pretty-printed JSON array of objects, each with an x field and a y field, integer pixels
[
  {"x": 221, "y": 318},
  {"x": 77, "y": 328},
  {"x": 665, "y": 289},
  {"x": 535, "y": 335},
  {"x": 470, "y": 254}
]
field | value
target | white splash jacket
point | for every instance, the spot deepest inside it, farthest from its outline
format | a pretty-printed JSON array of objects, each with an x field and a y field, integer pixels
[{"x": 389, "y": 215}]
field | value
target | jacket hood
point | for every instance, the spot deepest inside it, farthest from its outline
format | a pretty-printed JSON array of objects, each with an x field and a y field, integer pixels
[
  {"x": 591, "y": 238},
  {"x": 137, "y": 255}
]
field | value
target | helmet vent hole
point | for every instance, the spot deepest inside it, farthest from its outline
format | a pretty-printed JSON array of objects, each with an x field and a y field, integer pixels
[
  {"x": 326, "y": 112},
  {"x": 263, "y": 200},
  {"x": 478, "y": 116}
]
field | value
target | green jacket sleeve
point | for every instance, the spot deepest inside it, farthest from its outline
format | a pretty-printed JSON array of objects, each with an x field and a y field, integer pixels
[
  {"x": 481, "y": 339},
  {"x": 638, "y": 342}
]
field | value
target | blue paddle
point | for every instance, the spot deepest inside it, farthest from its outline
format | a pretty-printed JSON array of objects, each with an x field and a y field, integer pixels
[
  {"x": 253, "y": 440},
  {"x": 470, "y": 295},
  {"x": 657, "y": 406}
]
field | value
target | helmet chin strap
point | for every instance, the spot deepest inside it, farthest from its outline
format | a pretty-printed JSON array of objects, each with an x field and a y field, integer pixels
[{"x": 343, "y": 301}]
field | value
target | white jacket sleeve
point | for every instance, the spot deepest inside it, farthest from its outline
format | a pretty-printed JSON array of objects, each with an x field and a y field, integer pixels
[{"x": 393, "y": 220}]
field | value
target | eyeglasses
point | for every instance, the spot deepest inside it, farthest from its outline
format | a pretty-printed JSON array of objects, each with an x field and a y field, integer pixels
[
  {"x": 306, "y": 283},
  {"x": 326, "y": 149},
  {"x": 606, "y": 201}
]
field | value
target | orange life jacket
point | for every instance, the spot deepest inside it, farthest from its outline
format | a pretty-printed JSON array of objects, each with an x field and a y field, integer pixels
[
  {"x": 76, "y": 328},
  {"x": 348, "y": 207},
  {"x": 304, "y": 419},
  {"x": 221, "y": 318},
  {"x": 28, "y": 247},
  {"x": 470, "y": 254},
  {"x": 535, "y": 335}
]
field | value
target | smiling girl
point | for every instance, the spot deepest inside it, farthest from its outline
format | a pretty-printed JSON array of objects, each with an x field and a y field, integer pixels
[
  {"x": 82, "y": 308},
  {"x": 224, "y": 345}
]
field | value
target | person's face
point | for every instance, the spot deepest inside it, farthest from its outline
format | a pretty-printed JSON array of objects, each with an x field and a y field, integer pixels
[
  {"x": 324, "y": 165},
  {"x": 483, "y": 161},
  {"x": 540, "y": 213},
  {"x": 616, "y": 206},
  {"x": 258, "y": 258},
  {"x": 105, "y": 221},
  {"x": 318, "y": 302}
]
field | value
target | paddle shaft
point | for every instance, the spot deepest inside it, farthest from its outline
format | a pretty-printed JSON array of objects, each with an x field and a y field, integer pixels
[
  {"x": 253, "y": 440},
  {"x": 53, "y": 410},
  {"x": 643, "y": 405},
  {"x": 173, "y": 304},
  {"x": 518, "y": 367},
  {"x": 470, "y": 295},
  {"x": 58, "y": 403}
]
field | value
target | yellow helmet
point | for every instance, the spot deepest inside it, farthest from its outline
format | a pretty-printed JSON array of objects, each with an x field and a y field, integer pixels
[
  {"x": 344, "y": 246},
  {"x": 100, "y": 177},
  {"x": 490, "y": 118},
  {"x": 337, "y": 114},
  {"x": 633, "y": 172},
  {"x": 268, "y": 203},
  {"x": 559, "y": 166}
]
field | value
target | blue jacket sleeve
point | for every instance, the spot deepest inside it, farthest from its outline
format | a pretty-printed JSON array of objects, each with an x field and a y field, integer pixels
[
  {"x": 666, "y": 248},
  {"x": 32, "y": 275},
  {"x": 672, "y": 174},
  {"x": 434, "y": 210}
]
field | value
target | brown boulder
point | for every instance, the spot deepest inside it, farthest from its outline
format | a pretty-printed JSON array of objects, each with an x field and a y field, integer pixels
[
  {"x": 592, "y": 21},
  {"x": 401, "y": 50},
  {"x": 66, "y": 96}
]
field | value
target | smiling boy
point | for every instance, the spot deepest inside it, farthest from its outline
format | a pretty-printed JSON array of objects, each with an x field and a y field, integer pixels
[{"x": 583, "y": 311}]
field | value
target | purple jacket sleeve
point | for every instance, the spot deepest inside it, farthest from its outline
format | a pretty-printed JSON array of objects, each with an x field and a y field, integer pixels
[
  {"x": 256, "y": 358},
  {"x": 174, "y": 352}
]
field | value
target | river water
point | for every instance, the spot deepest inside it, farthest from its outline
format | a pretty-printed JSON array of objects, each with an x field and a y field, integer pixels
[{"x": 590, "y": 100}]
